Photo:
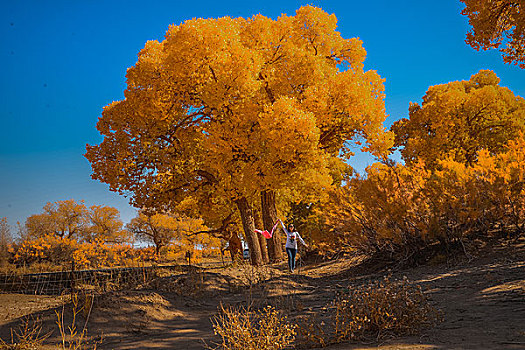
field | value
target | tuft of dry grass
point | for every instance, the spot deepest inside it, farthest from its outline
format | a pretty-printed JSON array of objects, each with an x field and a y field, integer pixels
[
  {"x": 28, "y": 336},
  {"x": 244, "y": 329}
]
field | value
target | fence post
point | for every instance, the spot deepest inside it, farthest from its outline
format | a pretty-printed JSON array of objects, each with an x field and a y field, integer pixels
[
  {"x": 143, "y": 272},
  {"x": 72, "y": 278}
]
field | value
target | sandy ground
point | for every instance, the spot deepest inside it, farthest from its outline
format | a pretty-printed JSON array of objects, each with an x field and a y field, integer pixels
[{"x": 482, "y": 299}]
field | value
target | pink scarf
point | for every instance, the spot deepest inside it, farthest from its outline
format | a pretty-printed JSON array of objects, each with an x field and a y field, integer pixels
[{"x": 267, "y": 234}]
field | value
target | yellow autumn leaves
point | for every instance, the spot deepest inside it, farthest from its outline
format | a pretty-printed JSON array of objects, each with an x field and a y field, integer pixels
[
  {"x": 497, "y": 25},
  {"x": 463, "y": 175},
  {"x": 458, "y": 119}
]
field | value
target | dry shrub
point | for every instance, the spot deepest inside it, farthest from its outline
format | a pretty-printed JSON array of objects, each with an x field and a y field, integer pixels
[
  {"x": 28, "y": 336},
  {"x": 244, "y": 329},
  {"x": 251, "y": 276},
  {"x": 381, "y": 308},
  {"x": 288, "y": 303},
  {"x": 73, "y": 338}
]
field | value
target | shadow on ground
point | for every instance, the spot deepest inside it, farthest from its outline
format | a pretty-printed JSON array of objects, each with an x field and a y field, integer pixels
[{"x": 483, "y": 301}]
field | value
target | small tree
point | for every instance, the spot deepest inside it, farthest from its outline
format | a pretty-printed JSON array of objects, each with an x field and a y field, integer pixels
[
  {"x": 62, "y": 218},
  {"x": 162, "y": 229},
  {"x": 5, "y": 240},
  {"x": 105, "y": 224},
  {"x": 458, "y": 119}
]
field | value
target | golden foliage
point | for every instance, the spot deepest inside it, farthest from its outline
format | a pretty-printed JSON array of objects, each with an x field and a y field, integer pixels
[
  {"x": 232, "y": 106},
  {"x": 64, "y": 251},
  {"x": 72, "y": 220},
  {"x": 63, "y": 218},
  {"x": 105, "y": 224},
  {"x": 97, "y": 252},
  {"x": 497, "y": 25},
  {"x": 380, "y": 212},
  {"x": 169, "y": 230},
  {"x": 402, "y": 209},
  {"x": 458, "y": 119}
]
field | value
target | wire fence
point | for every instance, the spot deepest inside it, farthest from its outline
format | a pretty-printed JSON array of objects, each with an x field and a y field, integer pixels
[{"x": 98, "y": 280}]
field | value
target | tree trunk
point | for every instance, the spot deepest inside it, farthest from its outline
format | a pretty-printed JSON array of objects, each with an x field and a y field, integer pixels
[
  {"x": 158, "y": 246},
  {"x": 269, "y": 216},
  {"x": 262, "y": 240},
  {"x": 249, "y": 226}
]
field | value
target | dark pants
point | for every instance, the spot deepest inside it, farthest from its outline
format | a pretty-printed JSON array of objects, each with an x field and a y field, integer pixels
[{"x": 291, "y": 257}]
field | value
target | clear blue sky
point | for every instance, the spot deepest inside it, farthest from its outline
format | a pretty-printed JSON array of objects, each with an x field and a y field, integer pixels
[{"x": 62, "y": 61}]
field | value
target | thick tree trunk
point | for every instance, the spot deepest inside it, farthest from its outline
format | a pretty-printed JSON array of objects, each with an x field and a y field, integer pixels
[
  {"x": 249, "y": 226},
  {"x": 269, "y": 216},
  {"x": 262, "y": 240}
]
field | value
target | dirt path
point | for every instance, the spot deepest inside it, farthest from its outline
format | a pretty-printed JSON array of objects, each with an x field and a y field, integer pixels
[
  {"x": 484, "y": 306},
  {"x": 483, "y": 301}
]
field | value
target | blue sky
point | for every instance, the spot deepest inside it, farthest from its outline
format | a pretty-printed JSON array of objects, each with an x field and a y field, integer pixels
[{"x": 62, "y": 61}]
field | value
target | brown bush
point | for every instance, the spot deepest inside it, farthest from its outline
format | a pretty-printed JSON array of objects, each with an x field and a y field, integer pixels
[{"x": 382, "y": 308}]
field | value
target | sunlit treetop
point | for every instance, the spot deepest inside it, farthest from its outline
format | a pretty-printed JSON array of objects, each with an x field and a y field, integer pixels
[
  {"x": 498, "y": 24},
  {"x": 458, "y": 119}
]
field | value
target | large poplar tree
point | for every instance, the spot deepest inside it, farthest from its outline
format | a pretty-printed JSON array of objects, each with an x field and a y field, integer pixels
[{"x": 246, "y": 107}]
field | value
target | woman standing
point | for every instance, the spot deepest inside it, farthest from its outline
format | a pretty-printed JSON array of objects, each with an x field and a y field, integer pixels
[{"x": 291, "y": 244}]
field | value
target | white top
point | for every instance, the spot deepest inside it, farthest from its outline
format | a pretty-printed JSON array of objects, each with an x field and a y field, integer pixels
[{"x": 291, "y": 238}]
